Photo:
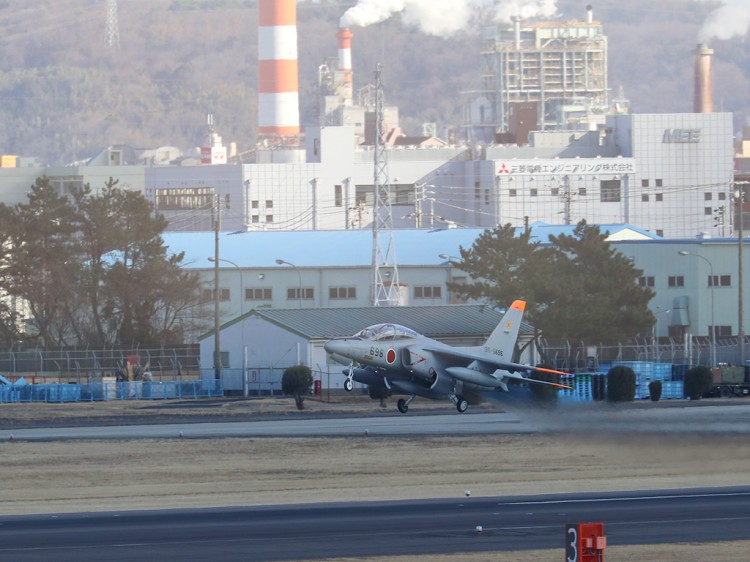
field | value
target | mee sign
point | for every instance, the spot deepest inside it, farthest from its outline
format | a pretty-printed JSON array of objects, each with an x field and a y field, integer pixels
[{"x": 681, "y": 136}]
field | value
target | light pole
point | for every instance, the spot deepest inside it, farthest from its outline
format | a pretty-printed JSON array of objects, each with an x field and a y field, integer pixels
[
  {"x": 230, "y": 262},
  {"x": 452, "y": 262},
  {"x": 242, "y": 313},
  {"x": 712, "y": 283},
  {"x": 654, "y": 332},
  {"x": 299, "y": 290}
]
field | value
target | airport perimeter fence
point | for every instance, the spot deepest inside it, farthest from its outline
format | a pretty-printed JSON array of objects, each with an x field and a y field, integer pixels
[
  {"x": 89, "y": 365},
  {"x": 578, "y": 356},
  {"x": 97, "y": 391}
]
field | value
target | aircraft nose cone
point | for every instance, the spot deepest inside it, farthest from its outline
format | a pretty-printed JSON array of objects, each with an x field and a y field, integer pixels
[
  {"x": 339, "y": 350},
  {"x": 333, "y": 346}
]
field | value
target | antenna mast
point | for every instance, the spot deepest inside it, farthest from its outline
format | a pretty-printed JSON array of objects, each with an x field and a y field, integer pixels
[
  {"x": 112, "y": 32},
  {"x": 385, "y": 291}
]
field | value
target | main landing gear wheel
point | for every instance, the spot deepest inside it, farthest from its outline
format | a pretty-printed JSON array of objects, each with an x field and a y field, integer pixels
[
  {"x": 348, "y": 385},
  {"x": 403, "y": 405},
  {"x": 461, "y": 405}
]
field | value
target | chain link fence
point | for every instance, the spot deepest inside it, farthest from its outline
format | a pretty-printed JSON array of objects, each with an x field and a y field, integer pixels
[
  {"x": 81, "y": 366},
  {"x": 586, "y": 356}
]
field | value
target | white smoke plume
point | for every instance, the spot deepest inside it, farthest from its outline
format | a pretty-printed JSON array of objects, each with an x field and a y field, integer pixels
[
  {"x": 731, "y": 19},
  {"x": 445, "y": 17}
]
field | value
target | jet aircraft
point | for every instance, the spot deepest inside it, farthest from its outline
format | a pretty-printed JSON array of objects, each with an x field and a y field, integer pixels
[{"x": 399, "y": 359}]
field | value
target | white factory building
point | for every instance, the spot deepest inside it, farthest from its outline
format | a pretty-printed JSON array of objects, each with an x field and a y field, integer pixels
[{"x": 669, "y": 174}]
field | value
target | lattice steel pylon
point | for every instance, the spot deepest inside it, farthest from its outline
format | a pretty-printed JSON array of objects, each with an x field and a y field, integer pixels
[
  {"x": 385, "y": 283},
  {"x": 112, "y": 31}
]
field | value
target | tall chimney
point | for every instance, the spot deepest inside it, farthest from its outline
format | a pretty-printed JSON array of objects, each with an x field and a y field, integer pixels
[
  {"x": 345, "y": 61},
  {"x": 703, "y": 94},
  {"x": 589, "y": 14},
  {"x": 278, "y": 81},
  {"x": 516, "y": 32}
]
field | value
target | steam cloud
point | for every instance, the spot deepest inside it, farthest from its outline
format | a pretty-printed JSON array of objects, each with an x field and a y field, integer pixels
[
  {"x": 732, "y": 19},
  {"x": 445, "y": 17}
]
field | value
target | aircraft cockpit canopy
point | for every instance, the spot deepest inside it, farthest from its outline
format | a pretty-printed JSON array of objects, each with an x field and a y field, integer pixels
[{"x": 380, "y": 332}]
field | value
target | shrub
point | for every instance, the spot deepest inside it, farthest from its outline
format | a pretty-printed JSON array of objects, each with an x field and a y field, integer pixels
[
  {"x": 620, "y": 384},
  {"x": 654, "y": 390},
  {"x": 297, "y": 381},
  {"x": 698, "y": 381}
]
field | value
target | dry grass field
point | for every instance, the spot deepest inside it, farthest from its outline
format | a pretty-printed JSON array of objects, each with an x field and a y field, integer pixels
[{"x": 142, "y": 474}]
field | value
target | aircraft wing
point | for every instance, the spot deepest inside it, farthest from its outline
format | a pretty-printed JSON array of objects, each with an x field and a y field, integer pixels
[{"x": 491, "y": 361}]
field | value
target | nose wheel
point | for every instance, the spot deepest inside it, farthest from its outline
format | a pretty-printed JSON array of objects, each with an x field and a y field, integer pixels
[{"x": 348, "y": 383}]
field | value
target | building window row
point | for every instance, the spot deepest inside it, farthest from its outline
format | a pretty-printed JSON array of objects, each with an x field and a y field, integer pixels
[
  {"x": 720, "y": 281},
  {"x": 679, "y": 281},
  {"x": 676, "y": 281},
  {"x": 210, "y": 294},
  {"x": 183, "y": 198},
  {"x": 657, "y": 183},
  {"x": 308, "y": 293},
  {"x": 428, "y": 292},
  {"x": 258, "y": 294},
  {"x": 300, "y": 293},
  {"x": 342, "y": 293}
]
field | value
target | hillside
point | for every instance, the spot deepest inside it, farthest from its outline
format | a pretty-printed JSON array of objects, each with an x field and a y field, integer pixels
[{"x": 64, "y": 94}]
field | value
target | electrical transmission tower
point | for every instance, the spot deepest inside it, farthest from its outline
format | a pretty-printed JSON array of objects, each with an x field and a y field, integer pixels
[
  {"x": 385, "y": 283},
  {"x": 112, "y": 32}
]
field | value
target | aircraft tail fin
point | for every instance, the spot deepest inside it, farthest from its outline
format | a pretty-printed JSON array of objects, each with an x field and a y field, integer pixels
[{"x": 502, "y": 340}]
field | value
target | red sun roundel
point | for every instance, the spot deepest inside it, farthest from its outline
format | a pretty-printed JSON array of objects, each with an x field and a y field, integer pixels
[{"x": 390, "y": 356}]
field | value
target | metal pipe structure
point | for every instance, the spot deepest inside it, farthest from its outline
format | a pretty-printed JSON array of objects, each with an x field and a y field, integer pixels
[
  {"x": 703, "y": 94},
  {"x": 713, "y": 323}
]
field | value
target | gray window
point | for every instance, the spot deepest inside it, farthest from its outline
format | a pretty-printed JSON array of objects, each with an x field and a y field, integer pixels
[
  {"x": 342, "y": 293},
  {"x": 610, "y": 191},
  {"x": 427, "y": 292}
]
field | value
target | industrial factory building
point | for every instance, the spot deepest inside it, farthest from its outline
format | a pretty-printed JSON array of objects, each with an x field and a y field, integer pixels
[
  {"x": 538, "y": 76},
  {"x": 558, "y": 150}
]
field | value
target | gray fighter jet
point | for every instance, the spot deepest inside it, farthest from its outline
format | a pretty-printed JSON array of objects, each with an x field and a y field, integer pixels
[{"x": 400, "y": 359}]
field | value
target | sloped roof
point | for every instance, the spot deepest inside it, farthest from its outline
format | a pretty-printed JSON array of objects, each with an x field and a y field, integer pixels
[
  {"x": 439, "y": 321},
  {"x": 347, "y": 248}
]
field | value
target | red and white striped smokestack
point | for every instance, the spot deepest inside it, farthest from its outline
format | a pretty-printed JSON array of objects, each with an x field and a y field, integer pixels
[
  {"x": 278, "y": 81},
  {"x": 345, "y": 60},
  {"x": 703, "y": 101}
]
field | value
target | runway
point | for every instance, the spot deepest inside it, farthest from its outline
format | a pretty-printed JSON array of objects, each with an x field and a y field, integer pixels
[
  {"x": 683, "y": 417},
  {"x": 376, "y": 528},
  {"x": 309, "y": 531}
]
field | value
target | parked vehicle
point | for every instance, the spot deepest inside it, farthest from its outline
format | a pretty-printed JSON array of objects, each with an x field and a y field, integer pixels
[{"x": 730, "y": 381}]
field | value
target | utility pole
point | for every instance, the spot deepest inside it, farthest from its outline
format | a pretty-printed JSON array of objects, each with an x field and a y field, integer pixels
[
  {"x": 217, "y": 290},
  {"x": 739, "y": 194}
]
